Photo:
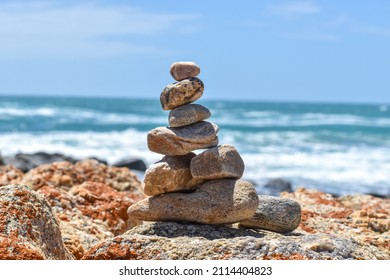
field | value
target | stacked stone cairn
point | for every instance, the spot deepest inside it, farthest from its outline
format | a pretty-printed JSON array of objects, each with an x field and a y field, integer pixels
[{"x": 183, "y": 186}]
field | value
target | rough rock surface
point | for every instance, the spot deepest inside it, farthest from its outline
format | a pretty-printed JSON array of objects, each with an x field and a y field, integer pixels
[
  {"x": 184, "y": 70},
  {"x": 188, "y": 114},
  {"x": 28, "y": 228},
  {"x": 275, "y": 214},
  {"x": 89, "y": 213},
  {"x": 170, "y": 174},
  {"x": 65, "y": 175},
  {"x": 173, "y": 141},
  {"x": 214, "y": 202},
  {"x": 181, "y": 93},
  {"x": 218, "y": 163},
  {"x": 363, "y": 218},
  {"x": 10, "y": 175},
  {"x": 178, "y": 241}
]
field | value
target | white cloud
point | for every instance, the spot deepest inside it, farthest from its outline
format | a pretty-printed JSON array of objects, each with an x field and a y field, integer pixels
[
  {"x": 293, "y": 9},
  {"x": 52, "y": 29}
]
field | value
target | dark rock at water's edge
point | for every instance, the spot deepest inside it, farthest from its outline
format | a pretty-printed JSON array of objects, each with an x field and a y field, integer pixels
[
  {"x": 131, "y": 163},
  {"x": 26, "y": 162},
  {"x": 273, "y": 187}
]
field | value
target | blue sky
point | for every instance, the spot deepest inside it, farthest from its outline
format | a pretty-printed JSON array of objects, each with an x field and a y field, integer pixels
[{"x": 332, "y": 51}]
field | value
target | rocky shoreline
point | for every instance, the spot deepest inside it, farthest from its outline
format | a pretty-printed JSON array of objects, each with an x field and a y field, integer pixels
[{"x": 67, "y": 210}]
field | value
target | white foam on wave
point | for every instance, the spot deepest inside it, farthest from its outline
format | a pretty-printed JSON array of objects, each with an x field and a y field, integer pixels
[
  {"x": 18, "y": 112},
  {"x": 273, "y": 119},
  {"x": 110, "y": 146}
]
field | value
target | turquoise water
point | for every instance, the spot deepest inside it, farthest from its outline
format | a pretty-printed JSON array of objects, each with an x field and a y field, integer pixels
[{"x": 339, "y": 148}]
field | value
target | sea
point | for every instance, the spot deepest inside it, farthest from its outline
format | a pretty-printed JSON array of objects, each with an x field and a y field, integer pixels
[{"x": 337, "y": 148}]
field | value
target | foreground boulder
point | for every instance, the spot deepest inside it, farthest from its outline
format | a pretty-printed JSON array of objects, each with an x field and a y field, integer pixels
[
  {"x": 28, "y": 228},
  {"x": 215, "y": 202},
  {"x": 183, "y": 241}
]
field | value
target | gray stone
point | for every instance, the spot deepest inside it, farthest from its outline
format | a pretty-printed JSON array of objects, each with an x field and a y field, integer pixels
[
  {"x": 184, "y": 70},
  {"x": 275, "y": 214},
  {"x": 173, "y": 141},
  {"x": 188, "y": 114},
  {"x": 170, "y": 174},
  {"x": 215, "y": 202},
  {"x": 217, "y": 163},
  {"x": 181, "y": 93}
]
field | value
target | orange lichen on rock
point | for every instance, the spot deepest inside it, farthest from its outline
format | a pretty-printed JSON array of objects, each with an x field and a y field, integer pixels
[{"x": 10, "y": 175}]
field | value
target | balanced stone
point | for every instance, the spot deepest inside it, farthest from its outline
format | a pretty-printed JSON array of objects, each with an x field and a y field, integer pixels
[
  {"x": 188, "y": 114},
  {"x": 275, "y": 214},
  {"x": 217, "y": 163},
  {"x": 173, "y": 141},
  {"x": 214, "y": 202},
  {"x": 170, "y": 174},
  {"x": 181, "y": 93},
  {"x": 184, "y": 70}
]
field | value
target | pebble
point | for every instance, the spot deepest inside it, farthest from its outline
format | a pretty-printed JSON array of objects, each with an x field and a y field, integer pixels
[
  {"x": 275, "y": 214},
  {"x": 170, "y": 174},
  {"x": 181, "y": 93},
  {"x": 188, "y": 114},
  {"x": 217, "y": 163},
  {"x": 221, "y": 201},
  {"x": 184, "y": 70},
  {"x": 173, "y": 141}
]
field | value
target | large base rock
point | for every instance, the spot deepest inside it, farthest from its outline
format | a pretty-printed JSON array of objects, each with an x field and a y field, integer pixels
[{"x": 215, "y": 202}]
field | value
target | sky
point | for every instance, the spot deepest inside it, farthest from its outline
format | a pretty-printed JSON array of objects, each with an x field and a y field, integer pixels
[{"x": 312, "y": 51}]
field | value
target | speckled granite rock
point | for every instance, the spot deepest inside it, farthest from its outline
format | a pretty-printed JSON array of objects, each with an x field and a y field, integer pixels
[
  {"x": 178, "y": 141},
  {"x": 183, "y": 70},
  {"x": 363, "y": 218},
  {"x": 173, "y": 241},
  {"x": 275, "y": 214},
  {"x": 170, "y": 174},
  {"x": 10, "y": 175},
  {"x": 218, "y": 163},
  {"x": 65, "y": 175},
  {"x": 181, "y": 93},
  {"x": 215, "y": 202},
  {"x": 188, "y": 114},
  {"x": 28, "y": 227}
]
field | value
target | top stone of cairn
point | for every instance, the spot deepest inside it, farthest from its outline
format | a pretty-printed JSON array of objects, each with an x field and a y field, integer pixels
[{"x": 184, "y": 70}]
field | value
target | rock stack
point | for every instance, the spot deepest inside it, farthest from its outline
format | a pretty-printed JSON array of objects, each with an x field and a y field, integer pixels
[{"x": 204, "y": 188}]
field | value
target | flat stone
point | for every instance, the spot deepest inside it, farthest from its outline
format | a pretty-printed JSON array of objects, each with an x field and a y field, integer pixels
[
  {"x": 170, "y": 174},
  {"x": 217, "y": 163},
  {"x": 275, "y": 214},
  {"x": 184, "y": 70},
  {"x": 181, "y": 93},
  {"x": 175, "y": 141},
  {"x": 214, "y": 202},
  {"x": 188, "y": 114}
]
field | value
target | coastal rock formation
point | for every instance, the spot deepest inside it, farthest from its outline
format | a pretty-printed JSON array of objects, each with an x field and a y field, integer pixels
[
  {"x": 10, "y": 175},
  {"x": 177, "y": 141},
  {"x": 184, "y": 70},
  {"x": 188, "y": 114},
  {"x": 181, "y": 93},
  {"x": 28, "y": 228},
  {"x": 275, "y": 214},
  {"x": 171, "y": 173},
  {"x": 65, "y": 175},
  {"x": 219, "y": 162},
  {"x": 215, "y": 202}
]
